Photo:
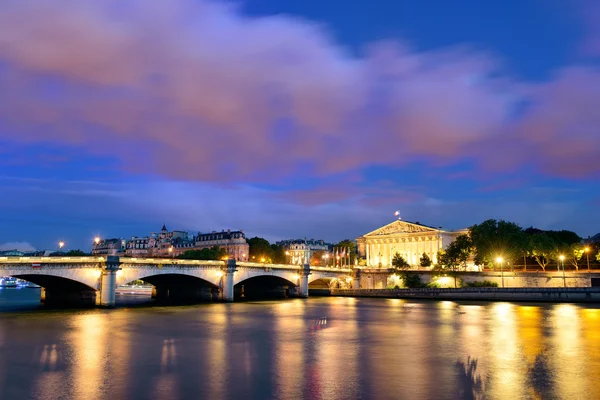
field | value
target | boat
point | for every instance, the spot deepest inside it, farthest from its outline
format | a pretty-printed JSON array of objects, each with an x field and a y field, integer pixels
[{"x": 8, "y": 282}]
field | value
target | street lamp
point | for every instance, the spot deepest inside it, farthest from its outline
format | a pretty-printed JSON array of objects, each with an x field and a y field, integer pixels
[
  {"x": 61, "y": 244},
  {"x": 287, "y": 257},
  {"x": 587, "y": 255},
  {"x": 562, "y": 260},
  {"x": 500, "y": 260},
  {"x": 96, "y": 240},
  {"x": 171, "y": 251}
]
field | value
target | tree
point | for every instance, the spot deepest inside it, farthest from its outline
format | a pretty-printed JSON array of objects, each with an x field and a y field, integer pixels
[
  {"x": 425, "y": 261},
  {"x": 70, "y": 253},
  {"x": 542, "y": 248},
  {"x": 278, "y": 253},
  {"x": 564, "y": 237},
  {"x": 459, "y": 250},
  {"x": 398, "y": 262},
  {"x": 213, "y": 253},
  {"x": 492, "y": 239},
  {"x": 576, "y": 252},
  {"x": 316, "y": 257},
  {"x": 260, "y": 250},
  {"x": 447, "y": 265}
]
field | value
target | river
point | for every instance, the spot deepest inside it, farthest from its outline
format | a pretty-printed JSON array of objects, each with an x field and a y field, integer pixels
[{"x": 319, "y": 348}]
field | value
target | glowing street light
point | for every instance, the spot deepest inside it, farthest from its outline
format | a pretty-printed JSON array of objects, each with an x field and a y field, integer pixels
[
  {"x": 97, "y": 239},
  {"x": 587, "y": 255},
  {"x": 61, "y": 244},
  {"x": 500, "y": 261},
  {"x": 171, "y": 251},
  {"x": 562, "y": 260}
]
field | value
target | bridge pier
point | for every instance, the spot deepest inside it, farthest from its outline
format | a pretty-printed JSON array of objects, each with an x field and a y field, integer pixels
[
  {"x": 227, "y": 280},
  {"x": 303, "y": 281},
  {"x": 356, "y": 278},
  {"x": 108, "y": 284}
]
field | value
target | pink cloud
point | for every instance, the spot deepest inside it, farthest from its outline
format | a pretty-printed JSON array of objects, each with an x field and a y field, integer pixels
[{"x": 196, "y": 90}]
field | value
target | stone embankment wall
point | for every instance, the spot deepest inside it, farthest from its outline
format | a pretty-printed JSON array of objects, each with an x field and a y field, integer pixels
[
  {"x": 382, "y": 279},
  {"x": 574, "y": 295}
]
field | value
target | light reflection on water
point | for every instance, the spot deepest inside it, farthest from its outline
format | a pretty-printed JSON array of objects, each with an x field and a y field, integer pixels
[{"x": 321, "y": 348}]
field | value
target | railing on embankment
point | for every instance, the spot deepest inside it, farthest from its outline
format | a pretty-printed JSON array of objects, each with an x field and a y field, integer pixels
[{"x": 572, "y": 295}]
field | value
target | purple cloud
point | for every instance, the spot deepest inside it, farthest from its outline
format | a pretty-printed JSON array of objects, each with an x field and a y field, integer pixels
[{"x": 197, "y": 91}]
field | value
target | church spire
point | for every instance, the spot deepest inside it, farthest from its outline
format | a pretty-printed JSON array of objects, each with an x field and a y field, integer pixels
[{"x": 164, "y": 228}]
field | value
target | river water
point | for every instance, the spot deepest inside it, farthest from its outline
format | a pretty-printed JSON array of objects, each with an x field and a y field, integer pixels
[{"x": 320, "y": 348}]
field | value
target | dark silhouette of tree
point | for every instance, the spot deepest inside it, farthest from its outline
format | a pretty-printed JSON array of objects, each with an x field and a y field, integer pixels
[
  {"x": 425, "y": 261},
  {"x": 213, "y": 253},
  {"x": 470, "y": 384},
  {"x": 260, "y": 250}
]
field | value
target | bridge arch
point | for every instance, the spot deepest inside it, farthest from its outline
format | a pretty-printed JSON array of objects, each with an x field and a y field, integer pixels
[
  {"x": 251, "y": 283},
  {"x": 329, "y": 281},
  {"x": 88, "y": 278},
  {"x": 210, "y": 276},
  {"x": 176, "y": 283}
]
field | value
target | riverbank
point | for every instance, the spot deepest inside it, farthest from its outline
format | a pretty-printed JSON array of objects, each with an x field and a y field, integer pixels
[{"x": 552, "y": 295}]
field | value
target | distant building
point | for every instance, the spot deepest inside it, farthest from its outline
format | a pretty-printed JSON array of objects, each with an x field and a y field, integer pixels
[
  {"x": 408, "y": 239},
  {"x": 300, "y": 251},
  {"x": 174, "y": 243},
  {"x": 137, "y": 247},
  {"x": 234, "y": 242},
  {"x": 109, "y": 247},
  {"x": 11, "y": 253}
]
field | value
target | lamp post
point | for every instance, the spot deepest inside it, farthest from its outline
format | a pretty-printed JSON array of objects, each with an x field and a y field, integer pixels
[
  {"x": 287, "y": 257},
  {"x": 587, "y": 255},
  {"x": 500, "y": 260},
  {"x": 562, "y": 260},
  {"x": 171, "y": 251},
  {"x": 61, "y": 244},
  {"x": 97, "y": 240}
]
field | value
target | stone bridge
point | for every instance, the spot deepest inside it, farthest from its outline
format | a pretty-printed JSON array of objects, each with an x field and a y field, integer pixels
[{"x": 93, "y": 280}]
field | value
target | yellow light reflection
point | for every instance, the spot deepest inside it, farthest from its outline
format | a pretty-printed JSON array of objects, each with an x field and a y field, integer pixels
[
  {"x": 567, "y": 360},
  {"x": 336, "y": 359},
  {"x": 289, "y": 340},
  {"x": 510, "y": 378},
  {"x": 89, "y": 340}
]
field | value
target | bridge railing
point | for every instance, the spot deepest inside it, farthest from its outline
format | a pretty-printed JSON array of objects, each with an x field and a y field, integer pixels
[{"x": 51, "y": 260}]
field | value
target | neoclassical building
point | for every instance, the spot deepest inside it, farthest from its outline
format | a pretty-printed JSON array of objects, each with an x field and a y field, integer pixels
[{"x": 409, "y": 239}]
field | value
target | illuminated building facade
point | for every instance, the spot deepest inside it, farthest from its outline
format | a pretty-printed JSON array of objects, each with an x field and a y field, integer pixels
[{"x": 408, "y": 239}]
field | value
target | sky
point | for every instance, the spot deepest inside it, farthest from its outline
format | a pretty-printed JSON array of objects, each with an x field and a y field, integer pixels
[{"x": 297, "y": 118}]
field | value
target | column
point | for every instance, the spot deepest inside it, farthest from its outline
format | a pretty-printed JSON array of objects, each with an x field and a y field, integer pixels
[
  {"x": 228, "y": 271},
  {"x": 368, "y": 252},
  {"x": 108, "y": 283},
  {"x": 303, "y": 280}
]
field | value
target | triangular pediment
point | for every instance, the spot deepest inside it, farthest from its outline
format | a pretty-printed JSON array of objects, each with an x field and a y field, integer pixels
[{"x": 399, "y": 227}]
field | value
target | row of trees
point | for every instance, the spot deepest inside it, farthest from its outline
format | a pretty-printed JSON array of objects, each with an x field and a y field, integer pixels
[{"x": 501, "y": 242}]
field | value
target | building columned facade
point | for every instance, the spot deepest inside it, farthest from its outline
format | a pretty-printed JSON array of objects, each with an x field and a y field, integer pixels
[{"x": 408, "y": 239}]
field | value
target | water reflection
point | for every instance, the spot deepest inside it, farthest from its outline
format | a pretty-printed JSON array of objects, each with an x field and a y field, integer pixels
[
  {"x": 90, "y": 354},
  {"x": 328, "y": 348},
  {"x": 470, "y": 383}
]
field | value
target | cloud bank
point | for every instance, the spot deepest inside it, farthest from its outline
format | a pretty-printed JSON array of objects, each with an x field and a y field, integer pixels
[{"x": 198, "y": 91}]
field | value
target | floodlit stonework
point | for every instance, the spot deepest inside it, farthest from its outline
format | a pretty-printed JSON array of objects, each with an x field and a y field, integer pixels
[{"x": 408, "y": 239}]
